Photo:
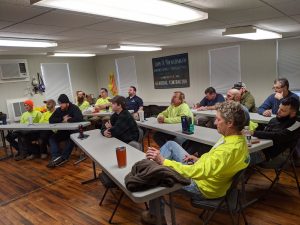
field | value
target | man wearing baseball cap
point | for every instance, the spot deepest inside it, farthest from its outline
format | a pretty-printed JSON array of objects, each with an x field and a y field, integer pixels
[
  {"x": 247, "y": 98},
  {"x": 66, "y": 113},
  {"x": 23, "y": 146}
]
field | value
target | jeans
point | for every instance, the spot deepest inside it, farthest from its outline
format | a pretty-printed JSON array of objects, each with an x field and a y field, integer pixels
[
  {"x": 161, "y": 138},
  {"x": 173, "y": 151},
  {"x": 54, "y": 142}
]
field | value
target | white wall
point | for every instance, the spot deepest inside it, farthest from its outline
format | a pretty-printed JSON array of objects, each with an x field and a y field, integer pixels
[
  {"x": 258, "y": 68},
  {"x": 82, "y": 71}
]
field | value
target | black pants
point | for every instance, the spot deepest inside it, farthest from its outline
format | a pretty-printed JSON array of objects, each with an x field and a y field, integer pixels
[
  {"x": 11, "y": 138},
  {"x": 193, "y": 147},
  {"x": 44, "y": 136},
  {"x": 161, "y": 138}
]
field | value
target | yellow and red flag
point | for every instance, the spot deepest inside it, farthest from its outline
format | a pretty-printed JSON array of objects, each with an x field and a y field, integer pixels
[{"x": 112, "y": 86}]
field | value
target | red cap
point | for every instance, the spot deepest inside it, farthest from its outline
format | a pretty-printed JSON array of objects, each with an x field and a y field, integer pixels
[{"x": 29, "y": 102}]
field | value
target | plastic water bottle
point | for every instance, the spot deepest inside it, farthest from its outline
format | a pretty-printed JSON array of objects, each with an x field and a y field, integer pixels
[{"x": 248, "y": 136}]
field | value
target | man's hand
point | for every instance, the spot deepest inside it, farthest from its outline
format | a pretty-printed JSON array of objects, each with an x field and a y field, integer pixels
[
  {"x": 107, "y": 133},
  {"x": 267, "y": 113},
  {"x": 161, "y": 119},
  {"x": 279, "y": 95},
  {"x": 202, "y": 108},
  {"x": 66, "y": 118},
  {"x": 190, "y": 158},
  {"x": 108, "y": 125},
  {"x": 154, "y": 154}
]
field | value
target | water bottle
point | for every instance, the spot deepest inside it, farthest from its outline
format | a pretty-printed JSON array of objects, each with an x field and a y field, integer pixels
[
  {"x": 190, "y": 125},
  {"x": 248, "y": 136}
]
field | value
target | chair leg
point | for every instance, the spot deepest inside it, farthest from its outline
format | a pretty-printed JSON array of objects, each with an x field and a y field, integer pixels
[
  {"x": 117, "y": 205},
  {"x": 295, "y": 175},
  {"x": 146, "y": 206},
  {"x": 102, "y": 199}
]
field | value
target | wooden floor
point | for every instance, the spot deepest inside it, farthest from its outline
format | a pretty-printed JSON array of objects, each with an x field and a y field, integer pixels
[{"x": 30, "y": 193}]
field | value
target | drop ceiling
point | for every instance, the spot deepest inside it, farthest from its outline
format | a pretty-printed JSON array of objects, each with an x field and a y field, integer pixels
[{"x": 78, "y": 32}]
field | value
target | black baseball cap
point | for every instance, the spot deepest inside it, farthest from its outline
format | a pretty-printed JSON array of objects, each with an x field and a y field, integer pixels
[{"x": 63, "y": 98}]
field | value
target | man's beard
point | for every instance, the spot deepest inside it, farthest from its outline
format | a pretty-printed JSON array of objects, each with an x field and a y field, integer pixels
[{"x": 80, "y": 100}]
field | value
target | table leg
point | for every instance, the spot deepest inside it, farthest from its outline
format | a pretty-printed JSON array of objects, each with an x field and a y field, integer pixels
[
  {"x": 95, "y": 175},
  {"x": 157, "y": 211},
  {"x": 172, "y": 208},
  {"x": 5, "y": 147}
]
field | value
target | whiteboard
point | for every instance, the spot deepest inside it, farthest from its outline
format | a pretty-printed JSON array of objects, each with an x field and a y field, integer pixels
[
  {"x": 57, "y": 80},
  {"x": 224, "y": 68},
  {"x": 126, "y": 74}
]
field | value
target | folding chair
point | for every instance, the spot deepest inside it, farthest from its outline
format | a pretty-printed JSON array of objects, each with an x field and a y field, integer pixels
[
  {"x": 110, "y": 185},
  {"x": 231, "y": 202},
  {"x": 279, "y": 164}
]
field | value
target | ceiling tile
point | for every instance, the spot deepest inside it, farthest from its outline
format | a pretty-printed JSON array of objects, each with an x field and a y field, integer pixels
[
  {"x": 16, "y": 13},
  {"x": 65, "y": 19},
  {"x": 5, "y": 24},
  {"x": 291, "y": 7},
  {"x": 116, "y": 25},
  {"x": 33, "y": 29},
  {"x": 260, "y": 13}
]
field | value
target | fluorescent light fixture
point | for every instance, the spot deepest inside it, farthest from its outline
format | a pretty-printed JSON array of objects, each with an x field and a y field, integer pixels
[
  {"x": 140, "y": 48},
  {"x": 147, "y": 11},
  {"x": 20, "y": 42},
  {"x": 69, "y": 54},
  {"x": 251, "y": 32}
]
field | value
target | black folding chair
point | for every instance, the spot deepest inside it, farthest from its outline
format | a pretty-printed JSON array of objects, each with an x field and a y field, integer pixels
[
  {"x": 280, "y": 164},
  {"x": 231, "y": 202}
]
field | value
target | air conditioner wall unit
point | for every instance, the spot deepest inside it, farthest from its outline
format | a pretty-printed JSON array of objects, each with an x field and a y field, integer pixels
[{"x": 14, "y": 70}]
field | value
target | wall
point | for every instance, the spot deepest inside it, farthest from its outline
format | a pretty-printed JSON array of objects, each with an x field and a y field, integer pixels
[
  {"x": 258, "y": 67},
  {"x": 82, "y": 71}
]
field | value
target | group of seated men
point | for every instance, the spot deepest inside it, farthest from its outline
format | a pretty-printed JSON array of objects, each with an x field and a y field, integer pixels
[{"x": 212, "y": 170}]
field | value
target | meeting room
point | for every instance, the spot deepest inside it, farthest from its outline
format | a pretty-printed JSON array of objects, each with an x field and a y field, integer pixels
[{"x": 150, "y": 112}]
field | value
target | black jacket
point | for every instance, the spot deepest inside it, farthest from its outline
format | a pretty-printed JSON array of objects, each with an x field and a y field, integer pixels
[
  {"x": 146, "y": 174},
  {"x": 284, "y": 132},
  {"x": 124, "y": 127},
  {"x": 73, "y": 111}
]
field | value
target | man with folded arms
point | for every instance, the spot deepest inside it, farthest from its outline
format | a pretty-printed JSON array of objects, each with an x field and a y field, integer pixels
[
  {"x": 66, "y": 113},
  {"x": 211, "y": 174}
]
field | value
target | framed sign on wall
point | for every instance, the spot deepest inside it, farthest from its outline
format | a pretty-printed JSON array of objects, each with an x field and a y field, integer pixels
[{"x": 171, "y": 71}]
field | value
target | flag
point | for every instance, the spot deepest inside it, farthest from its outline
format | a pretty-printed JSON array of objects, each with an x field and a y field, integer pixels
[{"x": 112, "y": 86}]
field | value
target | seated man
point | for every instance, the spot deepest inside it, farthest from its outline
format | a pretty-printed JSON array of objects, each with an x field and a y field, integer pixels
[
  {"x": 247, "y": 98},
  {"x": 81, "y": 101},
  {"x": 208, "y": 103},
  {"x": 172, "y": 114},
  {"x": 284, "y": 130},
  {"x": 25, "y": 138},
  {"x": 121, "y": 124},
  {"x": 210, "y": 99},
  {"x": 66, "y": 113},
  {"x": 211, "y": 174},
  {"x": 271, "y": 104},
  {"x": 103, "y": 104},
  {"x": 133, "y": 102},
  {"x": 44, "y": 135}
]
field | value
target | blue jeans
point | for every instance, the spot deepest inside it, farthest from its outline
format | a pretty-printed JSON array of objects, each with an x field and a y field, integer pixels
[
  {"x": 173, "y": 151},
  {"x": 54, "y": 142}
]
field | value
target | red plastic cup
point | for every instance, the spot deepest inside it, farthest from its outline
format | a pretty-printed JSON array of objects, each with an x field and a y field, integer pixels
[{"x": 121, "y": 156}]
